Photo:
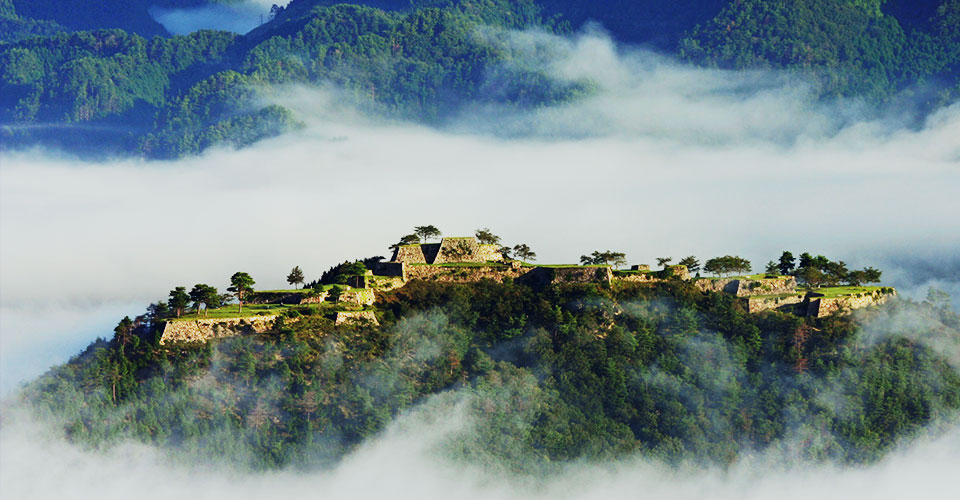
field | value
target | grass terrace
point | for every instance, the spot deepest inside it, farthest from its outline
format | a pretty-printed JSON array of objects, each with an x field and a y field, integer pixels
[
  {"x": 844, "y": 291},
  {"x": 747, "y": 277},
  {"x": 232, "y": 311},
  {"x": 566, "y": 266}
]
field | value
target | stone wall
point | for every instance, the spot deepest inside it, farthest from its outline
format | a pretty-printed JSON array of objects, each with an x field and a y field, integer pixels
[
  {"x": 385, "y": 283},
  {"x": 749, "y": 287},
  {"x": 640, "y": 267},
  {"x": 785, "y": 303},
  {"x": 466, "y": 274},
  {"x": 575, "y": 275},
  {"x": 489, "y": 253},
  {"x": 411, "y": 254},
  {"x": 680, "y": 271},
  {"x": 202, "y": 330},
  {"x": 359, "y": 296},
  {"x": 821, "y": 306},
  {"x": 460, "y": 249},
  {"x": 640, "y": 277},
  {"x": 356, "y": 317}
]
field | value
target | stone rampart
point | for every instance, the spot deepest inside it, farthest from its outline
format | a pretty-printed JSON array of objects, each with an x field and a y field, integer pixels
[
  {"x": 565, "y": 275},
  {"x": 354, "y": 317},
  {"x": 204, "y": 329},
  {"x": 410, "y": 254},
  {"x": 641, "y": 277},
  {"x": 542, "y": 276},
  {"x": 785, "y": 303},
  {"x": 748, "y": 287},
  {"x": 819, "y": 307},
  {"x": 679, "y": 271},
  {"x": 489, "y": 253},
  {"x": 449, "y": 250},
  {"x": 385, "y": 283},
  {"x": 359, "y": 296},
  {"x": 640, "y": 267},
  {"x": 466, "y": 274}
]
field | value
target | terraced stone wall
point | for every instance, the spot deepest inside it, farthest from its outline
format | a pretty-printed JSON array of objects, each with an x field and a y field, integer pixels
[
  {"x": 823, "y": 306},
  {"x": 202, "y": 330}
]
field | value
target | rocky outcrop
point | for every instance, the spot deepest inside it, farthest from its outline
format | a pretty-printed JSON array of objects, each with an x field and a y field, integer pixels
[
  {"x": 355, "y": 317},
  {"x": 202, "y": 330}
]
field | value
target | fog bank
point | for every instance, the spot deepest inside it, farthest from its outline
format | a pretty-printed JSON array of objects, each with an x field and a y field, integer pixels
[{"x": 407, "y": 461}]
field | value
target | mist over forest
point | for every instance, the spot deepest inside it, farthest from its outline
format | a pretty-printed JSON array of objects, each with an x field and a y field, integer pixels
[{"x": 154, "y": 144}]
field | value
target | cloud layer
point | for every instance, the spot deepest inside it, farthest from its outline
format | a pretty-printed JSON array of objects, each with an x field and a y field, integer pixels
[{"x": 407, "y": 462}]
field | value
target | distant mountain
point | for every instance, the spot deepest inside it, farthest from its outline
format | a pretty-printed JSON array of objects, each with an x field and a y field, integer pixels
[{"x": 417, "y": 59}]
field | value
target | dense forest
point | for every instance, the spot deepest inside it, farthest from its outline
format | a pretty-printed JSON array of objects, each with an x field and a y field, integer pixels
[
  {"x": 547, "y": 375},
  {"x": 75, "y": 73}
]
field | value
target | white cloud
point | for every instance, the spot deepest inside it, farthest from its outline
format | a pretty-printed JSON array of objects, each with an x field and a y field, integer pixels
[{"x": 407, "y": 462}]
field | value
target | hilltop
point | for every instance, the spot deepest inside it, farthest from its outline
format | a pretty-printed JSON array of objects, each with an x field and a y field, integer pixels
[{"x": 595, "y": 360}]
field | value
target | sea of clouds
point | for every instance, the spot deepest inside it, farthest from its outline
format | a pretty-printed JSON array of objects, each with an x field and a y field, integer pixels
[{"x": 661, "y": 160}]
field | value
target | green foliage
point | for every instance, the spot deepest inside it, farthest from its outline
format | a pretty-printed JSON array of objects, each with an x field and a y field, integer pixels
[
  {"x": 423, "y": 60},
  {"x": 851, "y": 47},
  {"x": 563, "y": 373},
  {"x": 728, "y": 264},
  {"x": 606, "y": 258}
]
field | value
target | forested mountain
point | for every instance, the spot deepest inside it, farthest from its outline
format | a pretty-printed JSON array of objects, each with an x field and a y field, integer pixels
[
  {"x": 548, "y": 375},
  {"x": 420, "y": 59}
]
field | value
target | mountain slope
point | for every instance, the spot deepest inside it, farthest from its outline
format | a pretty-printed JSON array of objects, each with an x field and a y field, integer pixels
[{"x": 546, "y": 376}]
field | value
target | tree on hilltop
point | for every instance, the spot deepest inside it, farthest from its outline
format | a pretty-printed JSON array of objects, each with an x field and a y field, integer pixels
[
  {"x": 179, "y": 300},
  {"x": 787, "y": 263},
  {"x": 486, "y": 237},
  {"x": 426, "y": 233},
  {"x": 295, "y": 277},
  {"x": 524, "y": 253},
  {"x": 692, "y": 264},
  {"x": 728, "y": 264},
  {"x": 240, "y": 285},
  {"x": 663, "y": 261},
  {"x": 203, "y": 294},
  {"x": 410, "y": 239},
  {"x": 607, "y": 258}
]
